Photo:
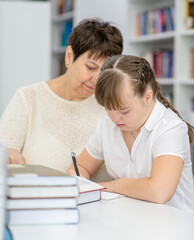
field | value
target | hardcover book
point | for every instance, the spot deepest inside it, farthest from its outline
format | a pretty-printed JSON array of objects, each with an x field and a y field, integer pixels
[
  {"x": 89, "y": 191},
  {"x": 45, "y": 216},
  {"x": 25, "y": 175}
]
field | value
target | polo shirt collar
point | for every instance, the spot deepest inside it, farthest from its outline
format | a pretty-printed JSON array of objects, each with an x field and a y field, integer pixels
[{"x": 155, "y": 116}]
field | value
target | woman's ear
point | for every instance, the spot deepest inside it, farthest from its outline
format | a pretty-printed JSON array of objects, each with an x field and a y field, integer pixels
[{"x": 68, "y": 56}]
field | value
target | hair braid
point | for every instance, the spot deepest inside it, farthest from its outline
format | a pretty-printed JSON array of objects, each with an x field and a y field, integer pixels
[{"x": 167, "y": 104}]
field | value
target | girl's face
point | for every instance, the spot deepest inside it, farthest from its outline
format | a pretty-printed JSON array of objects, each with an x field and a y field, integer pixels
[
  {"x": 135, "y": 112},
  {"x": 83, "y": 74}
]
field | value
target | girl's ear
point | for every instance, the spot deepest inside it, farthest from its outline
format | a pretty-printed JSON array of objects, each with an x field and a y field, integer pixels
[
  {"x": 148, "y": 96},
  {"x": 69, "y": 56}
]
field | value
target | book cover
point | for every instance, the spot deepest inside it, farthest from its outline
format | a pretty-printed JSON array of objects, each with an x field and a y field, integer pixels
[{"x": 34, "y": 175}]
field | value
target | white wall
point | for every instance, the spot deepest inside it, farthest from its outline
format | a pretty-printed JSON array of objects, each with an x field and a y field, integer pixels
[
  {"x": 24, "y": 46},
  {"x": 114, "y": 11}
]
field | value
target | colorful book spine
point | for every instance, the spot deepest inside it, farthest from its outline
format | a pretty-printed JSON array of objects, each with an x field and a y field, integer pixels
[
  {"x": 189, "y": 14},
  {"x": 161, "y": 61},
  {"x": 192, "y": 64},
  {"x": 66, "y": 32},
  {"x": 155, "y": 21},
  {"x": 65, "y": 6}
]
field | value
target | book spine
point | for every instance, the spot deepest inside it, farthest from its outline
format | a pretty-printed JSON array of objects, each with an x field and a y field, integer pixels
[
  {"x": 3, "y": 158},
  {"x": 192, "y": 64},
  {"x": 155, "y": 21}
]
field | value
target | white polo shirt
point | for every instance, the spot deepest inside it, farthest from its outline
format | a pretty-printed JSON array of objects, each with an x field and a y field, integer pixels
[{"x": 164, "y": 133}]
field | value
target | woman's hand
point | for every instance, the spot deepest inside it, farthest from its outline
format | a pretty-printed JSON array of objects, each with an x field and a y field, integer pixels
[{"x": 15, "y": 157}]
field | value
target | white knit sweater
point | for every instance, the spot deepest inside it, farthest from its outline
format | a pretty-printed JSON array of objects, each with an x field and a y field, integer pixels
[{"x": 46, "y": 128}]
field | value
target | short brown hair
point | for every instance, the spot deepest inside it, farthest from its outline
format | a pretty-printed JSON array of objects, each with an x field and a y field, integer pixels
[
  {"x": 100, "y": 38},
  {"x": 138, "y": 72}
]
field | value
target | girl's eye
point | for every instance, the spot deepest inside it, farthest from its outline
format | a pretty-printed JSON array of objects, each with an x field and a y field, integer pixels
[{"x": 125, "y": 112}]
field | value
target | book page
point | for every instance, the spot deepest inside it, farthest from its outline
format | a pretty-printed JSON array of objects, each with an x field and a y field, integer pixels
[
  {"x": 86, "y": 185},
  {"x": 110, "y": 195}
]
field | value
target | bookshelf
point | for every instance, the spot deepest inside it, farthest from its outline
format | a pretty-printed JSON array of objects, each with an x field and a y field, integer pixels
[
  {"x": 180, "y": 40},
  {"x": 82, "y": 9},
  {"x": 62, "y": 20},
  {"x": 179, "y": 87}
]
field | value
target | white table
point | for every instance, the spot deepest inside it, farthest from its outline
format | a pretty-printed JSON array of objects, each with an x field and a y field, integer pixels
[{"x": 120, "y": 219}]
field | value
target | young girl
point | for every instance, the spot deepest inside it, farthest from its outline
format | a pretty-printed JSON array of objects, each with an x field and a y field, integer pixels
[{"x": 143, "y": 140}]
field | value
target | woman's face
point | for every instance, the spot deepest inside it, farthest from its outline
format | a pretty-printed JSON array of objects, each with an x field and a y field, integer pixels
[
  {"x": 135, "y": 112},
  {"x": 83, "y": 74}
]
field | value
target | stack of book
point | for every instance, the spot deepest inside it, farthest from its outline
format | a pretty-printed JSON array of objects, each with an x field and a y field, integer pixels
[
  {"x": 3, "y": 158},
  {"x": 40, "y": 195}
]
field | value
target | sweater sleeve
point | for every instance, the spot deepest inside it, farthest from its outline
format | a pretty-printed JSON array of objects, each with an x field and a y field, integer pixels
[{"x": 14, "y": 121}]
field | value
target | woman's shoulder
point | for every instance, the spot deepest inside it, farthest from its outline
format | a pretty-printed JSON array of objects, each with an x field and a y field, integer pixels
[
  {"x": 33, "y": 90},
  {"x": 33, "y": 87}
]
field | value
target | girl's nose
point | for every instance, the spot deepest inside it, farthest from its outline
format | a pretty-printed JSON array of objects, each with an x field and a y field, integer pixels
[{"x": 116, "y": 117}]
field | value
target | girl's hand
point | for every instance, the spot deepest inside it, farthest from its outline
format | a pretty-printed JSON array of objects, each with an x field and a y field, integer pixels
[
  {"x": 109, "y": 186},
  {"x": 15, "y": 157}
]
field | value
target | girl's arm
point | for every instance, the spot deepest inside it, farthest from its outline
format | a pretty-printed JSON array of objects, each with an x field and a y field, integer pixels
[
  {"x": 159, "y": 187},
  {"x": 87, "y": 165}
]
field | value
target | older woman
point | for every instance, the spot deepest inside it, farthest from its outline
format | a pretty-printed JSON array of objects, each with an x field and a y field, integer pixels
[{"x": 44, "y": 122}]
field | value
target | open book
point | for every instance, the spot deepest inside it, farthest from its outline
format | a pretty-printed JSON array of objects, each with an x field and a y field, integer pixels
[{"x": 89, "y": 191}]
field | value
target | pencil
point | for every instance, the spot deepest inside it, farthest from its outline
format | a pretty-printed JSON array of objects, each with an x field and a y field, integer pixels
[{"x": 75, "y": 163}]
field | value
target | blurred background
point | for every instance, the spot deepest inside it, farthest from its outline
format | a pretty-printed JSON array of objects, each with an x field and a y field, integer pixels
[{"x": 34, "y": 35}]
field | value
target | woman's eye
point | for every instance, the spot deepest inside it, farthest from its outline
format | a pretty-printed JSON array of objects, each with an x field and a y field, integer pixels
[{"x": 91, "y": 68}]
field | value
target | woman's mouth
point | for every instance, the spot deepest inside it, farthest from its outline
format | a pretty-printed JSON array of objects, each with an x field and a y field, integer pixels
[{"x": 89, "y": 87}]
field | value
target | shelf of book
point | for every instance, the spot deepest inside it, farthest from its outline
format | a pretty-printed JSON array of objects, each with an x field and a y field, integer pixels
[
  {"x": 149, "y": 24},
  {"x": 170, "y": 33},
  {"x": 62, "y": 22}
]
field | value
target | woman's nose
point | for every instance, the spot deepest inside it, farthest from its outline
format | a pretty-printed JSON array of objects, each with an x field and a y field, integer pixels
[{"x": 94, "y": 77}]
